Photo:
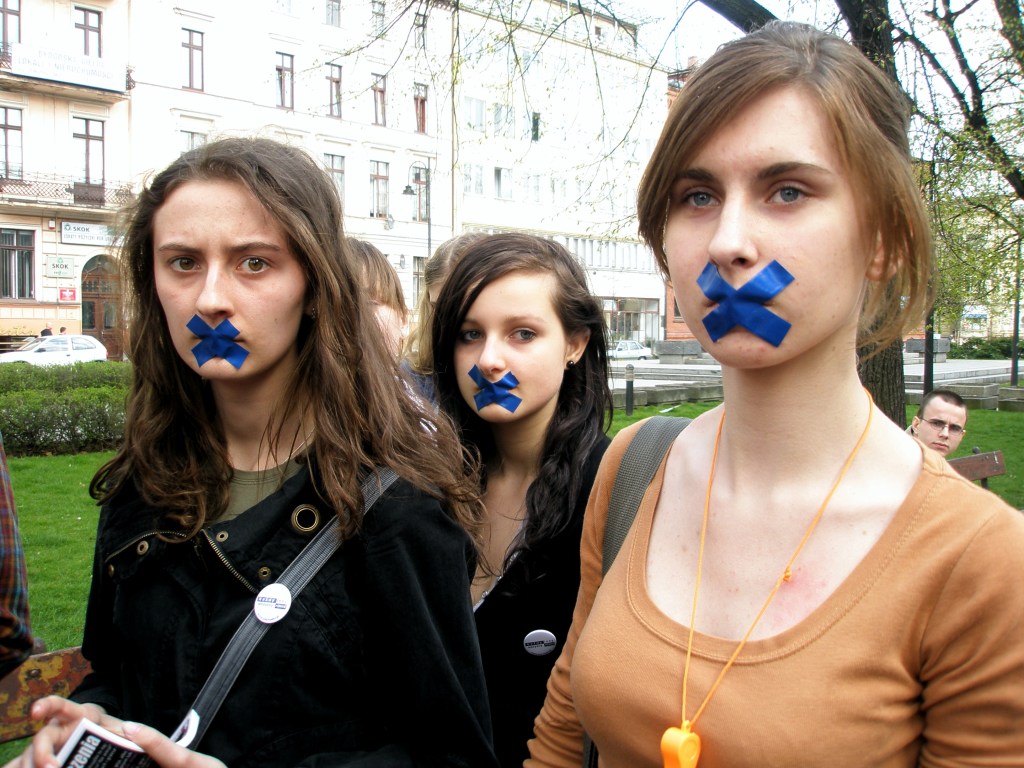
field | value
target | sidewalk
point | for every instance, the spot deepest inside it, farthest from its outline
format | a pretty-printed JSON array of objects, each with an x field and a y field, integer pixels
[{"x": 655, "y": 382}]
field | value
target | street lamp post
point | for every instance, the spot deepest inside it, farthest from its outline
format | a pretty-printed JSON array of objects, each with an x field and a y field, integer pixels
[
  {"x": 1015, "y": 343},
  {"x": 1018, "y": 208},
  {"x": 419, "y": 172}
]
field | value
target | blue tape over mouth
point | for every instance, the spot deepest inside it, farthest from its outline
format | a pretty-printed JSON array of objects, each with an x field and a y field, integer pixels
[
  {"x": 497, "y": 392},
  {"x": 745, "y": 306},
  {"x": 216, "y": 342}
]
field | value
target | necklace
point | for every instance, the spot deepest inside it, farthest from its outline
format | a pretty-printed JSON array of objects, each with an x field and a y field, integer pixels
[{"x": 680, "y": 747}]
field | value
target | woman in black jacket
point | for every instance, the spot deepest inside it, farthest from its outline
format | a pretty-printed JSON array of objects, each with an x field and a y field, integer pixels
[
  {"x": 262, "y": 394},
  {"x": 521, "y": 366}
]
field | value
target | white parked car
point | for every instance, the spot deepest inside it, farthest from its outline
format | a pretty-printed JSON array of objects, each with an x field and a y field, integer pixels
[
  {"x": 628, "y": 350},
  {"x": 55, "y": 350}
]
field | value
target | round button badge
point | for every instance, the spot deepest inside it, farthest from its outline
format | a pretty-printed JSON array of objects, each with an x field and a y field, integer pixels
[
  {"x": 540, "y": 642},
  {"x": 272, "y": 603}
]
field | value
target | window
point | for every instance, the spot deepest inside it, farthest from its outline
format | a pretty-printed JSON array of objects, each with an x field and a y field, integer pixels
[
  {"x": 503, "y": 183},
  {"x": 10, "y": 136},
  {"x": 193, "y": 45},
  {"x": 10, "y": 19},
  {"x": 533, "y": 188},
  {"x": 334, "y": 89},
  {"x": 420, "y": 179},
  {"x": 504, "y": 120},
  {"x": 559, "y": 188},
  {"x": 535, "y": 126},
  {"x": 473, "y": 179},
  {"x": 380, "y": 97},
  {"x": 285, "y": 80},
  {"x": 377, "y": 14},
  {"x": 378, "y": 189},
  {"x": 419, "y": 285},
  {"x": 191, "y": 140},
  {"x": 89, "y": 22},
  {"x": 333, "y": 13},
  {"x": 419, "y": 102},
  {"x": 419, "y": 28},
  {"x": 88, "y": 136},
  {"x": 17, "y": 257},
  {"x": 474, "y": 109},
  {"x": 336, "y": 167}
]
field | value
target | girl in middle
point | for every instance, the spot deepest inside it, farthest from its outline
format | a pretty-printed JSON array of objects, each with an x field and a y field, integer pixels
[{"x": 521, "y": 366}]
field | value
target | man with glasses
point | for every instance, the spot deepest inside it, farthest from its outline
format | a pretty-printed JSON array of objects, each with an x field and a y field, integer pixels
[{"x": 941, "y": 420}]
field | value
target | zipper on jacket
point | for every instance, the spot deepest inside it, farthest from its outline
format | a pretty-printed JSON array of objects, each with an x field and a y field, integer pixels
[
  {"x": 227, "y": 563},
  {"x": 137, "y": 539}
]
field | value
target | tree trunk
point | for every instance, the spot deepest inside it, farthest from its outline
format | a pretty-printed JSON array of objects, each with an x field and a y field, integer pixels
[{"x": 882, "y": 375}]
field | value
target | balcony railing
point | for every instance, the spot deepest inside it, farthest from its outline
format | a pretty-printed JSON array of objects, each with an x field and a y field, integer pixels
[{"x": 63, "y": 190}]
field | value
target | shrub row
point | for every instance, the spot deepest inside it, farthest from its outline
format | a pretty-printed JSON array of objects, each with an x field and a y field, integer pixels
[
  {"x": 995, "y": 348},
  {"x": 62, "y": 408},
  {"x": 19, "y": 377}
]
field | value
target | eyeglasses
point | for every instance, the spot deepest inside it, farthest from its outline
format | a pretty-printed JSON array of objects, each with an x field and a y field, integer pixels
[{"x": 938, "y": 425}]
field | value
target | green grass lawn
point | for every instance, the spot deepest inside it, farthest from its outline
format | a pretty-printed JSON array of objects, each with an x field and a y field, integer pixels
[{"x": 58, "y": 519}]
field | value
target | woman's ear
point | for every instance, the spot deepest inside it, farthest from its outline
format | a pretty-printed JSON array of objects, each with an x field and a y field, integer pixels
[
  {"x": 880, "y": 269},
  {"x": 575, "y": 345}
]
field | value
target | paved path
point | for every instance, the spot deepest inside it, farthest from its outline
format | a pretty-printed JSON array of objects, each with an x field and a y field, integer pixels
[{"x": 652, "y": 374}]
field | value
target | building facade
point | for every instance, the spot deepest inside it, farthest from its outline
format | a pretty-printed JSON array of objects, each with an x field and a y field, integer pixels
[
  {"x": 64, "y": 102},
  {"x": 432, "y": 118}
]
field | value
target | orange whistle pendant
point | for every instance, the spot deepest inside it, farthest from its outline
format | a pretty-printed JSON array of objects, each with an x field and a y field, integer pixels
[{"x": 680, "y": 747}]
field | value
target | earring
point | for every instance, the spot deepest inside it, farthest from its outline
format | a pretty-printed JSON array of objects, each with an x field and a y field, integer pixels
[
  {"x": 570, "y": 365},
  {"x": 312, "y": 313}
]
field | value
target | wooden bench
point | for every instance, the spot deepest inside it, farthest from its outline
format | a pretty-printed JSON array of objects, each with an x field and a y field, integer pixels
[
  {"x": 43, "y": 674},
  {"x": 980, "y": 466}
]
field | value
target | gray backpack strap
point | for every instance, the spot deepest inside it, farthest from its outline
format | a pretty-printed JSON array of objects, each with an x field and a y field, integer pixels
[
  {"x": 295, "y": 577},
  {"x": 640, "y": 461}
]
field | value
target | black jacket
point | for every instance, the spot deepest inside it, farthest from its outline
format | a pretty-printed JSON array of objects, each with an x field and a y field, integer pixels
[
  {"x": 537, "y": 592},
  {"x": 376, "y": 664}
]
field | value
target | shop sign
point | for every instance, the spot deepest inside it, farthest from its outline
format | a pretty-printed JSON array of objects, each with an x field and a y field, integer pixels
[
  {"x": 59, "y": 266},
  {"x": 85, "y": 233}
]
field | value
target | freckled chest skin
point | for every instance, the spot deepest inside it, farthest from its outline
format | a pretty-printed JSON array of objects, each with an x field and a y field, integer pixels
[{"x": 219, "y": 254}]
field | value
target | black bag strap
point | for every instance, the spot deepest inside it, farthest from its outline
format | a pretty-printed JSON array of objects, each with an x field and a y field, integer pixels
[
  {"x": 295, "y": 577},
  {"x": 640, "y": 461}
]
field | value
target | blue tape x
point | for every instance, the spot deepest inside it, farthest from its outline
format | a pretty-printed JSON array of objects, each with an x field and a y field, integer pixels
[
  {"x": 497, "y": 392},
  {"x": 745, "y": 306},
  {"x": 216, "y": 342}
]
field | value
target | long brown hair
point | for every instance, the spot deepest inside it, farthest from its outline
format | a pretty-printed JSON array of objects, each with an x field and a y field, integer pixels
[
  {"x": 869, "y": 117},
  {"x": 345, "y": 381}
]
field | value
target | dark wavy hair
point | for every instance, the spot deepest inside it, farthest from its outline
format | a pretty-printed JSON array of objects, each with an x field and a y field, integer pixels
[
  {"x": 346, "y": 383},
  {"x": 584, "y": 406}
]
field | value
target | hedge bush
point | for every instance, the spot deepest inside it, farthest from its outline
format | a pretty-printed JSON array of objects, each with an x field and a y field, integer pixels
[
  {"x": 995, "y": 348},
  {"x": 63, "y": 408},
  {"x": 18, "y": 377}
]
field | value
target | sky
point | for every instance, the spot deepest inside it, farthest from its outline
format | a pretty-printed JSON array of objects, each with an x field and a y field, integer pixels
[{"x": 698, "y": 34}]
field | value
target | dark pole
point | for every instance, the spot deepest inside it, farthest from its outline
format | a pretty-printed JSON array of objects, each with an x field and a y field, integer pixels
[
  {"x": 929, "y": 353},
  {"x": 1015, "y": 343},
  {"x": 629, "y": 389},
  {"x": 430, "y": 214}
]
